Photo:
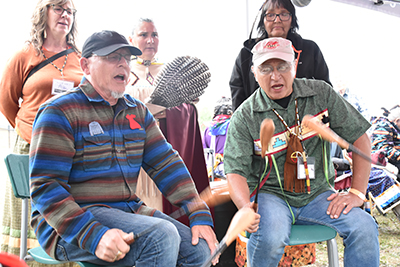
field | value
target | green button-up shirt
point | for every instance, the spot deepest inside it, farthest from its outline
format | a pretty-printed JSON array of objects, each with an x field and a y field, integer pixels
[{"x": 314, "y": 97}]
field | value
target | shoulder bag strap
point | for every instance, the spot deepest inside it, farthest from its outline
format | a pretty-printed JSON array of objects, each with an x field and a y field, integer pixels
[{"x": 47, "y": 61}]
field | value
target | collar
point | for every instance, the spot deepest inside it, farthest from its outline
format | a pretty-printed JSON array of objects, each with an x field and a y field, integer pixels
[
  {"x": 301, "y": 89},
  {"x": 45, "y": 49},
  {"x": 93, "y": 96},
  {"x": 147, "y": 63}
]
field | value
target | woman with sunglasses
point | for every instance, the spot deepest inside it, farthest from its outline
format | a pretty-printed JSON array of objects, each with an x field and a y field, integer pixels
[
  {"x": 277, "y": 19},
  {"x": 53, "y": 32}
]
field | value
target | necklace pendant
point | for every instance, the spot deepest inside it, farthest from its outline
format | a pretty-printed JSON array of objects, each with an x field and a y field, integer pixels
[
  {"x": 147, "y": 62},
  {"x": 150, "y": 78}
]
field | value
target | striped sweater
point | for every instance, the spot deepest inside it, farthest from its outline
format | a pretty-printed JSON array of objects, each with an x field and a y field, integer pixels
[{"x": 85, "y": 152}]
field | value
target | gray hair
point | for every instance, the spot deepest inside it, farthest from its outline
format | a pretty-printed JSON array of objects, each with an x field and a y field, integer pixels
[{"x": 139, "y": 22}]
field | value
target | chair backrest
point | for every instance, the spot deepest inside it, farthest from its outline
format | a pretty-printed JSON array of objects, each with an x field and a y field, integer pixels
[{"x": 18, "y": 170}]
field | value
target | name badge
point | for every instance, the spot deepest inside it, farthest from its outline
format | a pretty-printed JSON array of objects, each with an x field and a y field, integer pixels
[
  {"x": 95, "y": 128},
  {"x": 61, "y": 86},
  {"x": 301, "y": 170}
]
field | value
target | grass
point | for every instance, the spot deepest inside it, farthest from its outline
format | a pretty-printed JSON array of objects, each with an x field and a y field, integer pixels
[{"x": 389, "y": 239}]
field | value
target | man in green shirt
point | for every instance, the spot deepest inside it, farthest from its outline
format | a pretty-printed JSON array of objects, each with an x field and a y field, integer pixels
[{"x": 284, "y": 197}]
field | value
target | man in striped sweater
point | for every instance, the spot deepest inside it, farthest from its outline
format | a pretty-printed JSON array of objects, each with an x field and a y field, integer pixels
[{"x": 88, "y": 146}]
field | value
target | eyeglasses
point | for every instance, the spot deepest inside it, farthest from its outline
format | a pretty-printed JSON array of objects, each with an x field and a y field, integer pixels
[
  {"x": 116, "y": 57},
  {"x": 282, "y": 16},
  {"x": 268, "y": 69},
  {"x": 59, "y": 10}
]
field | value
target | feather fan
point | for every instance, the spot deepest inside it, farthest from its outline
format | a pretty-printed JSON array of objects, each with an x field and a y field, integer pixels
[{"x": 180, "y": 81}]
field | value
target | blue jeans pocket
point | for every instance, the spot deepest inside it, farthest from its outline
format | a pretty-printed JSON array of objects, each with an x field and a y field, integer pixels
[{"x": 61, "y": 253}]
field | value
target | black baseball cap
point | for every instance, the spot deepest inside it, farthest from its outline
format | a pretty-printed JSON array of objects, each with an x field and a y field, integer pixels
[{"x": 105, "y": 42}]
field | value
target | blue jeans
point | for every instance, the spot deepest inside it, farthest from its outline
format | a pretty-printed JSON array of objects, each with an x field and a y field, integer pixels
[
  {"x": 162, "y": 241},
  {"x": 358, "y": 230}
]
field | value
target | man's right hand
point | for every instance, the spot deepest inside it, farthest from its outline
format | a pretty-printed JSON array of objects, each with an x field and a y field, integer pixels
[
  {"x": 255, "y": 224},
  {"x": 240, "y": 195},
  {"x": 113, "y": 245}
]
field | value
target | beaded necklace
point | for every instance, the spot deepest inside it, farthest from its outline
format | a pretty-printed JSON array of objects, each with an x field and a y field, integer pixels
[
  {"x": 148, "y": 63},
  {"x": 60, "y": 70}
]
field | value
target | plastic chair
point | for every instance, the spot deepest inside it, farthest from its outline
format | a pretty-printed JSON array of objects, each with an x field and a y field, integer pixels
[
  {"x": 18, "y": 171},
  {"x": 305, "y": 234}
]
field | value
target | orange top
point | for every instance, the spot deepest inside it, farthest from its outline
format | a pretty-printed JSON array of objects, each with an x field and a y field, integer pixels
[{"x": 37, "y": 89}]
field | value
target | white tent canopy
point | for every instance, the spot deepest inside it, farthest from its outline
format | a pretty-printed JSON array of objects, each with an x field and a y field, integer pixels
[
  {"x": 359, "y": 42},
  {"x": 391, "y": 7}
]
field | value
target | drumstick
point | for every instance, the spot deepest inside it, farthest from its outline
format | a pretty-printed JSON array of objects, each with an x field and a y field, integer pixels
[
  {"x": 329, "y": 135},
  {"x": 267, "y": 130},
  {"x": 242, "y": 219},
  {"x": 211, "y": 198},
  {"x": 218, "y": 196}
]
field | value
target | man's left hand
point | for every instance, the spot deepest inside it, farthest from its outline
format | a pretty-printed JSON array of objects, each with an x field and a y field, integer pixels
[
  {"x": 342, "y": 202},
  {"x": 205, "y": 232}
]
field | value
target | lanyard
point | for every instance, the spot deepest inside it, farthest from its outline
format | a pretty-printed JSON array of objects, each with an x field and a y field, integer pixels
[{"x": 299, "y": 135}]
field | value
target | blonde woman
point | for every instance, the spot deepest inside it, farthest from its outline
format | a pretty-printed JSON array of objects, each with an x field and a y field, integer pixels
[{"x": 53, "y": 31}]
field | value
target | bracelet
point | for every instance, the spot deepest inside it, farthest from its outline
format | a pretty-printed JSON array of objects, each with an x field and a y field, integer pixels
[{"x": 358, "y": 193}]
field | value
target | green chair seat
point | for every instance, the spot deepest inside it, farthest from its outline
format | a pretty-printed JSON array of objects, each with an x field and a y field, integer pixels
[
  {"x": 306, "y": 234},
  {"x": 39, "y": 255}
]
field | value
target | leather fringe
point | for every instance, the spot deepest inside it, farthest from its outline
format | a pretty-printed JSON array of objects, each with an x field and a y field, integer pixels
[{"x": 290, "y": 167}]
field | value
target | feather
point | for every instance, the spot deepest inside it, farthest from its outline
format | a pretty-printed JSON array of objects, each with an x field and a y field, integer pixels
[{"x": 181, "y": 81}]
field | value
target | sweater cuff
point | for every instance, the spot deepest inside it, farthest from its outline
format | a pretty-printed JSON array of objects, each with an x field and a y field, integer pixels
[
  {"x": 92, "y": 237},
  {"x": 201, "y": 217}
]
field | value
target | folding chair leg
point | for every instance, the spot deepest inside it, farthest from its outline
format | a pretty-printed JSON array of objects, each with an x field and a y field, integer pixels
[
  {"x": 333, "y": 255},
  {"x": 396, "y": 211},
  {"x": 24, "y": 229}
]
